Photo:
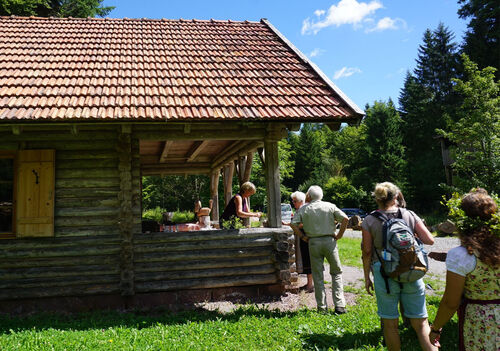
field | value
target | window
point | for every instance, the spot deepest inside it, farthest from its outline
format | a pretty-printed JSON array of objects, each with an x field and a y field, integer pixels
[{"x": 7, "y": 193}]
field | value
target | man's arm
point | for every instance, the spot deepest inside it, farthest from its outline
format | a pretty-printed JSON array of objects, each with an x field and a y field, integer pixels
[{"x": 343, "y": 227}]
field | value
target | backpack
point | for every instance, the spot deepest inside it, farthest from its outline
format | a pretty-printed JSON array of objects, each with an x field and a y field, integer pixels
[{"x": 403, "y": 256}]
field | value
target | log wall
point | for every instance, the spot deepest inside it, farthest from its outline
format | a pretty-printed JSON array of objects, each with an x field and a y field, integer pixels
[
  {"x": 83, "y": 256},
  {"x": 98, "y": 247}
]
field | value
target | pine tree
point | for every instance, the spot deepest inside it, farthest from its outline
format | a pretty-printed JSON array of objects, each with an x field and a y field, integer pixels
[
  {"x": 427, "y": 101},
  {"x": 482, "y": 40},
  {"x": 384, "y": 155}
]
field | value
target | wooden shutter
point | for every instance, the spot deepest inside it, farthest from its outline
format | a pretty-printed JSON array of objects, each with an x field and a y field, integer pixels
[{"x": 35, "y": 193}]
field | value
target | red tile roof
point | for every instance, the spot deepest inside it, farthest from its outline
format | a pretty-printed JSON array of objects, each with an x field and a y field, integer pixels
[{"x": 67, "y": 68}]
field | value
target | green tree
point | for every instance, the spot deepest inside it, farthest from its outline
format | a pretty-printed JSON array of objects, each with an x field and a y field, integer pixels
[
  {"x": 341, "y": 192},
  {"x": 482, "y": 40},
  {"x": 426, "y": 102},
  {"x": 55, "y": 8},
  {"x": 384, "y": 157},
  {"x": 476, "y": 134}
]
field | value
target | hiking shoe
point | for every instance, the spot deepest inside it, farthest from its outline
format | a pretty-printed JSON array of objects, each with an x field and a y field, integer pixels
[{"x": 340, "y": 310}]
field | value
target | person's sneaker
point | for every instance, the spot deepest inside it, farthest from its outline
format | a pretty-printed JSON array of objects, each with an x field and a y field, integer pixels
[{"x": 340, "y": 310}]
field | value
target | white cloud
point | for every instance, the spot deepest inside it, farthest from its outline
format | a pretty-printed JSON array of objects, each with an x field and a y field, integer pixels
[
  {"x": 319, "y": 13},
  {"x": 346, "y": 72},
  {"x": 316, "y": 52},
  {"x": 388, "y": 23},
  {"x": 345, "y": 12}
]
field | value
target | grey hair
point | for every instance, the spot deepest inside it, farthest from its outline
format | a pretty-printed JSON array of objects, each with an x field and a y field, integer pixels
[
  {"x": 315, "y": 193},
  {"x": 299, "y": 196}
]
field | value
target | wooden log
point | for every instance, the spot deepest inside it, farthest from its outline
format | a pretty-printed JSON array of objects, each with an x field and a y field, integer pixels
[
  {"x": 272, "y": 174},
  {"x": 110, "y": 287},
  {"x": 59, "y": 282},
  {"x": 207, "y": 245},
  {"x": 87, "y": 163},
  {"x": 231, "y": 149},
  {"x": 183, "y": 256},
  {"x": 48, "y": 262},
  {"x": 34, "y": 243},
  {"x": 228, "y": 183},
  {"x": 86, "y": 211},
  {"x": 85, "y": 221},
  {"x": 13, "y": 274},
  {"x": 205, "y": 283},
  {"x": 214, "y": 194},
  {"x": 59, "y": 136},
  {"x": 201, "y": 264},
  {"x": 86, "y": 173},
  {"x": 221, "y": 134},
  {"x": 85, "y": 155},
  {"x": 86, "y": 231},
  {"x": 108, "y": 193},
  {"x": 208, "y": 235},
  {"x": 247, "y": 148},
  {"x": 77, "y": 145},
  {"x": 204, "y": 273},
  {"x": 125, "y": 223},
  {"x": 87, "y": 183},
  {"x": 69, "y": 251},
  {"x": 83, "y": 201}
]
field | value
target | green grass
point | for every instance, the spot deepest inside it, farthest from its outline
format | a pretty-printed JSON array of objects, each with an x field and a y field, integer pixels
[
  {"x": 247, "y": 328},
  {"x": 350, "y": 252}
]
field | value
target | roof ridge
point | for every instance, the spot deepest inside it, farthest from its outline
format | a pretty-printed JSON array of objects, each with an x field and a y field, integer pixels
[{"x": 124, "y": 19}]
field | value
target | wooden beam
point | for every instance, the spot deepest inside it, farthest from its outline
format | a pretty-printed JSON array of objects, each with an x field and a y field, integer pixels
[
  {"x": 176, "y": 171},
  {"x": 228, "y": 182},
  {"x": 262, "y": 157},
  {"x": 272, "y": 173},
  {"x": 126, "y": 129},
  {"x": 229, "y": 150},
  {"x": 221, "y": 134},
  {"x": 245, "y": 149},
  {"x": 187, "y": 128},
  {"x": 248, "y": 167},
  {"x": 74, "y": 129},
  {"x": 165, "y": 151},
  {"x": 214, "y": 194},
  {"x": 197, "y": 147}
]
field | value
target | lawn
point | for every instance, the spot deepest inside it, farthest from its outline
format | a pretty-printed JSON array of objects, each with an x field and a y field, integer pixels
[{"x": 246, "y": 328}]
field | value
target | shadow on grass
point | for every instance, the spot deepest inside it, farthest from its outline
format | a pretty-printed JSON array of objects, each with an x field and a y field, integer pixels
[
  {"x": 139, "y": 320},
  {"x": 354, "y": 341},
  {"x": 345, "y": 341}
]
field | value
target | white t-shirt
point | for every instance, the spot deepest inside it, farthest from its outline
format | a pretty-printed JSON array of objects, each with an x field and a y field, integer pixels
[{"x": 459, "y": 261}]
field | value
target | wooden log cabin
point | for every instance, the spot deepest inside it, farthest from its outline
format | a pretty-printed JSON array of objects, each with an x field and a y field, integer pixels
[{"x": 88, "y": 106}]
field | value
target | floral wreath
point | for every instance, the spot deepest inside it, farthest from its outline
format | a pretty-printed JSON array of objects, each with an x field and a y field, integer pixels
[{"x": 465, "y": 223}]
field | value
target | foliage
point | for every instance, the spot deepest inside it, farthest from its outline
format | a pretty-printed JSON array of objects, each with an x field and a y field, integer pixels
[
  {"x": 55, "y": 8},
  {"x": 482, "y": 40},
  {"x": 233, "y": 223},
  {"x": 465, "y": 223},
  {"x": 426, "y": 100},
  {"x": 341, "y": 192},
  {"x": 476, "y": 133},
  {"x": 183, "y": 217},
  {"x": 155, "y": 214},
  {"x": 175, "y": 192},
  {"x": 384, "y": 155}
]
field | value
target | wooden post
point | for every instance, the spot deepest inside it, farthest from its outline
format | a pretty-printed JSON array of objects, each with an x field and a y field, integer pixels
[
  {"x": 228, "y": 182},
  {"x": 214, "y": 194},
  {"x": 272, "y": 173},
  {"x": 125, "y": 220},
  {"x": 245, "y": 169}
]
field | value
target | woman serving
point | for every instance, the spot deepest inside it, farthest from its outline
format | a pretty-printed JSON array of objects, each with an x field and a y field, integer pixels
[{"x": 238, "y": 206}]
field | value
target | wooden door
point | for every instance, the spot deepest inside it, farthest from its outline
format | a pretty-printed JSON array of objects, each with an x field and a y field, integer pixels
[{"x": 35, "y": 193}]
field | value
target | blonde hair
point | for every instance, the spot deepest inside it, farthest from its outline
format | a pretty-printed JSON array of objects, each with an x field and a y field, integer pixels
[
  {"x": 385, "y": 192},
  {"x": 248, "y": 186}
]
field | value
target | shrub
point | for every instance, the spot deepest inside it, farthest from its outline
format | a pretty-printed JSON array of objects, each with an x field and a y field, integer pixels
[
  {"x": 183, "y": 217},
  {"x": 155, "y": 214}
]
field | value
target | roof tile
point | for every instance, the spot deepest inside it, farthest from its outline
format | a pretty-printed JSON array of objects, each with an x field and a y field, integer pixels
[{"x": 63, "y": 68}]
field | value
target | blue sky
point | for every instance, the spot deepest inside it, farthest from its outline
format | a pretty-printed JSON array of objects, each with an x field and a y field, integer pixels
[{"x": 364, "y": 46}]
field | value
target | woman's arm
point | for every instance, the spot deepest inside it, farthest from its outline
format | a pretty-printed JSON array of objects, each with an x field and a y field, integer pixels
[
  {"x": 239, "y": 209},
  {"x": 450, "y": 301},
  {"x": 423, "y": 233},
  {"x": 366, "y": 248}
]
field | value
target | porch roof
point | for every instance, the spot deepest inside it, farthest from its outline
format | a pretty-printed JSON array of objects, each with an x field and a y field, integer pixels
[{"x": 68, "y": 69}]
